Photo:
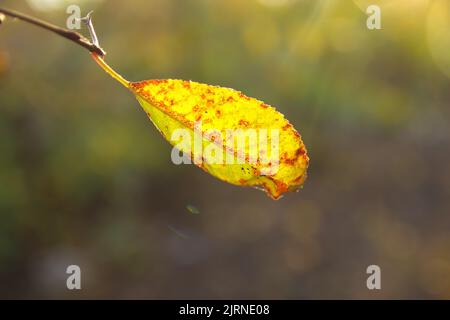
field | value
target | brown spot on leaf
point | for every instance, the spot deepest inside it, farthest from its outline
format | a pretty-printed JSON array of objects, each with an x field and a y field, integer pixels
[
  {"x": 243, "y": 123},
  {"x": 243, "y": 96},
  {"x": 300, "y": 151},
  {"x": 290, "y": 161},
  {"x": 298, "y": 179}
]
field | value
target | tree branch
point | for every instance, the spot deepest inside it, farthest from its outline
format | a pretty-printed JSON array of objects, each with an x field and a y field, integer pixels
[{"x": 68, "y": 34}]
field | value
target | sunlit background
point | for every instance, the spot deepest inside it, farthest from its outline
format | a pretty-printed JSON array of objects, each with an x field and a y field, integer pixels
[{"x": 86, "y": 179}]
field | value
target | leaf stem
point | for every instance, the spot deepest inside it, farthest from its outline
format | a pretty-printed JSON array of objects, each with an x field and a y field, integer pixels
[
  {"x": 110, "y": 70},
  {"x": 68, "y": 34}
]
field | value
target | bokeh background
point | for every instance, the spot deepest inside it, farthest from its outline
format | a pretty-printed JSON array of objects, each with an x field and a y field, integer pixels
[{"x": 86, "y": 179}]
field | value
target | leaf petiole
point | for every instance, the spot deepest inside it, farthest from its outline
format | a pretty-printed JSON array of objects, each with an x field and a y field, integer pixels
[{"x": 110, "y": 70}]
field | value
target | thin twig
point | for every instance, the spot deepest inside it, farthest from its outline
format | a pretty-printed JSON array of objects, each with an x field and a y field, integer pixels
[
  {"x": 88, "y": 21},
  {"x": 68, "y": 34}
]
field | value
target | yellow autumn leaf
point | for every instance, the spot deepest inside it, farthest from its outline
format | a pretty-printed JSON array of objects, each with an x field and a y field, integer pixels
[{"x": 235, "y": 138}]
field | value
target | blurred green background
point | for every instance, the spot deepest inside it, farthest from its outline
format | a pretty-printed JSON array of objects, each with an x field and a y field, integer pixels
[{"x": 86, "y": 179}]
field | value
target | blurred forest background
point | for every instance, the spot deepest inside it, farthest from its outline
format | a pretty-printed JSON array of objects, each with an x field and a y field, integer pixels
[{"x": 86, "y": 179}]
